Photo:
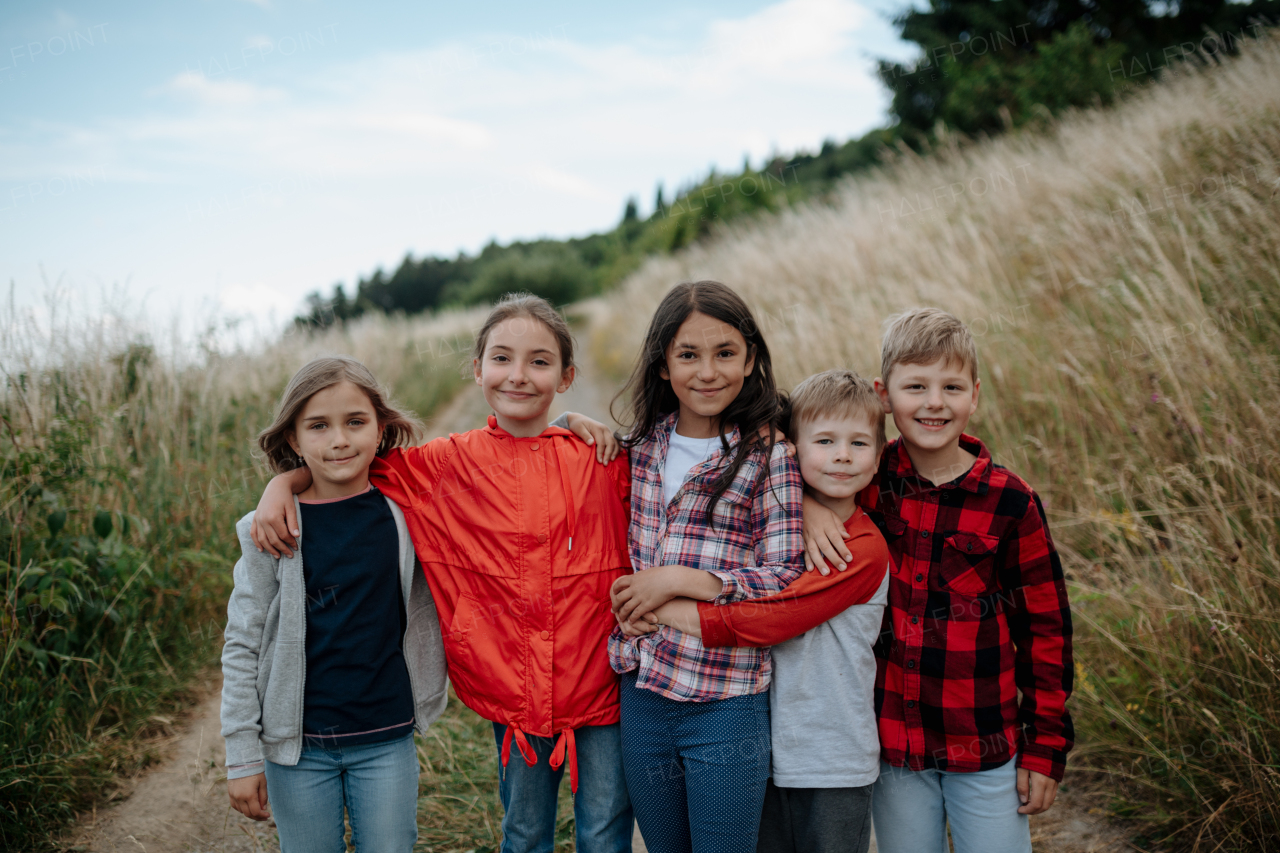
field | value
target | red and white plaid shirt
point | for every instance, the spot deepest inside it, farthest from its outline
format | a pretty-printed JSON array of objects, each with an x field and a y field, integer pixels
[
  {"x": 977, "y": 613},
  {"x": 755, "y": 548}
]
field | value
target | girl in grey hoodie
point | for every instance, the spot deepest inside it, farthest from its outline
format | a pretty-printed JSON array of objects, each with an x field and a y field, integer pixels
[{"x": 330, "y": 664}]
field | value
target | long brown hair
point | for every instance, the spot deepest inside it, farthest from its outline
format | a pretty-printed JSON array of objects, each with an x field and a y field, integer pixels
[
  {"x": 399, "y": 428},
  {"x": 652, "y": 397}
]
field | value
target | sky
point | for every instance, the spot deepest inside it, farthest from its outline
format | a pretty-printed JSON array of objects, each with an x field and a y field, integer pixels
[{"x": 230, "y": 156}]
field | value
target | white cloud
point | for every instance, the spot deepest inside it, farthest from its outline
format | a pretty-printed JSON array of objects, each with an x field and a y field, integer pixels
[{"x": 197, "y": 87}]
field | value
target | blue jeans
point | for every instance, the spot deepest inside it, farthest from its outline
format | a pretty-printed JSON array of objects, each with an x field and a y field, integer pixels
[
  {"x": 696, "y": 770},
  {"x": 910, "y": 810},
  {"x": 601, "y": 809},
  {"x": 377, "y": 782}
]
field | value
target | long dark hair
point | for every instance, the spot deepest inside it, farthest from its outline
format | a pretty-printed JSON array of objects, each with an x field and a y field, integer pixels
[{"x": 652, "y": 398}]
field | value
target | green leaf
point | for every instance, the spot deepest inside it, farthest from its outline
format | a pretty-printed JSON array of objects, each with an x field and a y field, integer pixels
[
  {"x": 102, "y": 524},
  {"x": 56, "y": 521}
]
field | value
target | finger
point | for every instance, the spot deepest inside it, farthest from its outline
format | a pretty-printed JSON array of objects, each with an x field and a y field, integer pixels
[
  {"x": 275, "y": 546},
  {"x": 830, "y": 553},
  {"x": 1024, "y": 785},
  {"x": 291, "y": 516},
  {"x": 253, "y": 533},
  {"x": 813, "y": 556}
]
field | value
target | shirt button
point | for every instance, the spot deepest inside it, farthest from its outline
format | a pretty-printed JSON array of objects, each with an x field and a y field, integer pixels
[
  {"x": 546, "y": 635},
  {"x": 542, "y": 537},
  {"x": 924, "y": 533},
  {"x": 546, "y": 727},
  {"x": 534, "y": 446},
  {"x": 911, "y": 664},
  {"x": 919, "y": 577},
  {"x": 911, "y": 703},
  {"x": 915, "y": 619}
]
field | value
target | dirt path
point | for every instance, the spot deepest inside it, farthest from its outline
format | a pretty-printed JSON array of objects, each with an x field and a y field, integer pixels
[{"x": 181, "y": 805}]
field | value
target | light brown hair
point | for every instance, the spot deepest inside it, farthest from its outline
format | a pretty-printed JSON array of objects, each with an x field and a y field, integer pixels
[
  {"x": 535, "y": 308},
  {"x": 399, "y": 428},
  {"x": 924, "y": 335},
  {"x": 835, "y": 393}
]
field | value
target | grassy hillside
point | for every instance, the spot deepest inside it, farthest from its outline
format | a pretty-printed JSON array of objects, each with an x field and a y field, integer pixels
[
  {"x": 1122, "y": 275},
  {"x": 123, "y": 469}
]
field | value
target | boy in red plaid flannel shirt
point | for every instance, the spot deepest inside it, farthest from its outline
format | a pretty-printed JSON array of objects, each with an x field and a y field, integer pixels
[{"x": 977, "y": 613}]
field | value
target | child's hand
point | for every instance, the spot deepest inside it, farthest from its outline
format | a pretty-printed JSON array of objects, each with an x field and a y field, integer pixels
[
  {"x": 275, "y": 523},
  {"x": 1036, "y": 791},
  {"x": 823, "y": 538},
  {"x": 592, "y": 432},
  {"x": 644, "y": 592},
  {"x": 779, "y": 437},
  {"x": 249, "y": 796},
  {"x": 646, "y": 624}
]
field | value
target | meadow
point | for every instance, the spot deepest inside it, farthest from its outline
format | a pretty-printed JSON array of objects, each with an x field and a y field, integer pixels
[{"x": 1120, "y": 269}]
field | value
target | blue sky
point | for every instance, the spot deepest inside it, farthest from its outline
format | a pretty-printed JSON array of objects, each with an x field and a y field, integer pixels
[{"x": 233, "y": 155}]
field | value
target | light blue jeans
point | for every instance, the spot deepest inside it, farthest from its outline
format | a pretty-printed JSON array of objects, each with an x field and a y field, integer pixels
[
  {"x": 377, "y": 782},
  {"x": 910, "y": 810},
  {"x": 601, "y": 809}
]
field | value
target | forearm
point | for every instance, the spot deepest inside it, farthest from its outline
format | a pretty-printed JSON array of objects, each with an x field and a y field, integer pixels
[
  {"x": 298, "y": 480},
  {"x": 807, "y": 603},
  {"x": 693, "y": 583},
  {"x": 681, "y": 614}
]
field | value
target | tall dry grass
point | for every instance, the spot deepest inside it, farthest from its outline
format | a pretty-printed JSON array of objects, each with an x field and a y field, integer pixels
[
  {"x": 125, "y": 461},
  {"x": 1121, "y": 271}
]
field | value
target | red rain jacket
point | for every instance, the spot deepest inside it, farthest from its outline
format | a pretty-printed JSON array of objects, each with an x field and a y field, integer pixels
[{"x": 520, "y": 540}]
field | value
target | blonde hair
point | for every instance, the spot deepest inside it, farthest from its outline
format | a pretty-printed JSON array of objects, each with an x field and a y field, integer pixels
[
  {"x": 535, "y": 308},
  {"x": 835, "y": 393},
  {"x": 399, "y": 428},
  {"x": 924, "y": 335}
]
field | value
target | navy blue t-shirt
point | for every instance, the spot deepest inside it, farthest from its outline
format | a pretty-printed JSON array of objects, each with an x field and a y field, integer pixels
[{"x": 357, "y": 685}]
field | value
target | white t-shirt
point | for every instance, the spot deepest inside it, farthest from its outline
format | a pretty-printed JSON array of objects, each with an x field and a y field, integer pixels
[{"x": 682, "y": 455}]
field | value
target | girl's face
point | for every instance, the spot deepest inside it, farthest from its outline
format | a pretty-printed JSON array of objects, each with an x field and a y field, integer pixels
[
  {"x": 337, "y": 434},
  {"x": 520, "y": 373},
  {"x": 707, "y": 363}
]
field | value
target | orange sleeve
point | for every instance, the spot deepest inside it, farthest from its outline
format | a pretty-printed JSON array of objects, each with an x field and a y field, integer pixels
[
  {"x": 620, "y": 471},
  {"x": 808, "y": 602},
  {"x": 408, "y": 475}
]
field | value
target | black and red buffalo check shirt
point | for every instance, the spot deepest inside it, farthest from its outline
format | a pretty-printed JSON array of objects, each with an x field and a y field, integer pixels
[{"x": 977, "y": 614}]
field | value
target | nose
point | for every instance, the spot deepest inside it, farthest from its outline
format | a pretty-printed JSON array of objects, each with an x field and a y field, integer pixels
[
  {"x": 706, "y": 369},
  {"x": 934, "y": 398},
  {"x": 517, "y": 373},
  {"x": 843, "y": 453}
]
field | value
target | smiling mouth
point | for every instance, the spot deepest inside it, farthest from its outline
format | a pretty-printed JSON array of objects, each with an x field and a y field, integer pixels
[
  {"x": 707, "y": 392},
  {"x": 932, "y": 422},
  {"x": 343, "y": 459},
  {"x": 518, "y": 395}
]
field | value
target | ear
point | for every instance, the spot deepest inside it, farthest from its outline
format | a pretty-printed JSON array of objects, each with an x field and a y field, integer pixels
[
  {"x": 566, "y": 379},
  {"x": 663, "y": 372},
  {"x": 751, "y": 360},
  {"x": 977, "y": 386},
  {"x": 291, "y": 436},
  {"x": 475, "y": 367},
  {"x": 883, "y": 392}
]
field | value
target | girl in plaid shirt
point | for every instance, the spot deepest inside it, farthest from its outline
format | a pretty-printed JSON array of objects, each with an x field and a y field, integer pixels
[{"x": 715, "y": 515}]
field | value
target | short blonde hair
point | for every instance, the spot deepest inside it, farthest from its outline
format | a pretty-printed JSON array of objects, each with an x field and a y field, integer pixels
[
  {"x": 924, "y": 335},
  {"x": 835, "y": 393},
  {"x": 399, "y": 428}
]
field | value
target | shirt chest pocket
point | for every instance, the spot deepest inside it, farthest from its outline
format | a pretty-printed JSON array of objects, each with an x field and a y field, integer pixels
[{"x": 969, "y": 563}]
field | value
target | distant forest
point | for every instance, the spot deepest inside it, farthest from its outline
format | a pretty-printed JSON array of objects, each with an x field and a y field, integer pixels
[{"x": 985, "y": 67}]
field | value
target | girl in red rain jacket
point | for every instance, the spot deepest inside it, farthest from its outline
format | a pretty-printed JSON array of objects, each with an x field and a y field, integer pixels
[{"x": 521, "y": 534}]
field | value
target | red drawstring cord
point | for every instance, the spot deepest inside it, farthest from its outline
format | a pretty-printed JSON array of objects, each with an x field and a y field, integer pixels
[
  {"x": 566, "y": 746},
  {"x": 567, "y": 743}
]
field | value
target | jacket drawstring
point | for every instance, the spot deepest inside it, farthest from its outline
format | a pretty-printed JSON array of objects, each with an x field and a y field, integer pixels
[
  {"x": 566, "y": 743},
  {"x": 566, "y": 746},
  {"x": 571, "y": 509}
]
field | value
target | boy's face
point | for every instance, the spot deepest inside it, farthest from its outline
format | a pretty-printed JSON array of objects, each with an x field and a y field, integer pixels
[
  {"x": 931, "y": 403},
  {"x": 837, "y": 454}
]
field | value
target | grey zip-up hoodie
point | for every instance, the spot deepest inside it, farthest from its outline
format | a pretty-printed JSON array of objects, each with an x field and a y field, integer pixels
[{"x": 264, "y": 659}]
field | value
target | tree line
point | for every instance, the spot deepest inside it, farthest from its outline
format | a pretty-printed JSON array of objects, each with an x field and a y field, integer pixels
[{"x": 984, "y": 67}]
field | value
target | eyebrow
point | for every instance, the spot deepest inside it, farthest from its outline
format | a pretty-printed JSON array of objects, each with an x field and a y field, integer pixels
[
  {"x": 326, "y": 417},
  {"x": 511, "y": 349},
  {"x": 721, "y": 345}
]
